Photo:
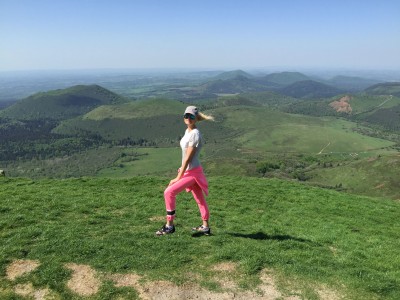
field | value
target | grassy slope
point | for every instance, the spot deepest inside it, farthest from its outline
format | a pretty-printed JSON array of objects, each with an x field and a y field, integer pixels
[
  {"x": 364, "y": 103},
  {"x": 136, "y": 110},
  {"x": 307, "y": 236},
  {"x": 279, "y": 132},
  {"x": 376, "y": 176},
  {"x": 388, "y": 88},
  {"x": 144, "y": 161}
]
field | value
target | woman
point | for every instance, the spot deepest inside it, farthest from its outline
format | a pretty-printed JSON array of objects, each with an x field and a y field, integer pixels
[{"x": 190, "y": 175}]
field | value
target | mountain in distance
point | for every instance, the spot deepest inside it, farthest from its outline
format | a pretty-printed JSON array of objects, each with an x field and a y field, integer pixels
[
  {"x": 351, "y": 84},
  {"x": 62, "y": 104},
  {"x": 232, "y": 75},
  {"x": 238, "y": 81},
  {"x": 238, "y": 84},
  {"x": 387, "y": 88},
  {"x": 284, "y": 78},
  {"x": 309, "y": 89}
]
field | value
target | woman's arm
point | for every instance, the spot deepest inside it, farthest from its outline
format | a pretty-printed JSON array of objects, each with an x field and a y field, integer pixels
[{"x": 190, "y": 152}]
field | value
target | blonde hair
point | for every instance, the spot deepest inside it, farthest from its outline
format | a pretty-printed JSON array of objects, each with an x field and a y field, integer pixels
[{"x": 204, "y": 117}]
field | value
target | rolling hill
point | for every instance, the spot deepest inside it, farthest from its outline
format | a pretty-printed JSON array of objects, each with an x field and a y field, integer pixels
[
  {"x": 382, "y": 110},
  {"x": 255, "y": 127},
  {"x": 158, "y": 121},
  {"x": 351, "y": 84},
  {"x": 285, "y": 78},
  {"x": 62, "y": 104},
  {"x": 375, "y": 176},
  {"x": 389, "y": 118},
  {"x": 238, "y": 84},
  {"x": 388, "y": 88},
  {"x": 232, "y": 75},
  {"x": 293, "y": 84},
  {"x": 309, "y": 89}
]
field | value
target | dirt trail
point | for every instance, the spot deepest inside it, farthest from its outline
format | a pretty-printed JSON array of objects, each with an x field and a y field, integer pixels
[
  {"x": 86, "y": 282},
  {"x": 320, "y": 152}
]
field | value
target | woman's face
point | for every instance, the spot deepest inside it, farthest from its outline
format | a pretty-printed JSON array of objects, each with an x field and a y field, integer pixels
[{"x": 189, "y": 119}]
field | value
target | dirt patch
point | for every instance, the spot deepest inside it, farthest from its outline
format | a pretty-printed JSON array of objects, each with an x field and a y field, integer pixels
[
  {"x": 84, "y": 281},
  {"x": 379, "y": 186},
  {"x": 27, "y": 290},
  {"x": 342, "y": 105},
  {"x": 164, "y": 290},
  {"x": 268, "y": 286},
  {"x": 20, "y": 267},
  {"x": 87, "y": 282},
  {"x": 225, "y": 267},
  {"x": 325, "y": 293},
  {"x": 224, "y": 277}
]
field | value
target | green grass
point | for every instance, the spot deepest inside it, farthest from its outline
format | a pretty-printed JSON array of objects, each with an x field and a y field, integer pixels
[
  {"x": 280, "y": 132},
  {"x": 375, "y": 176},
  {"x": 364, "y": 103},
  {"x": 306, "y": 236},
  {"x": 144, "y": 161}
]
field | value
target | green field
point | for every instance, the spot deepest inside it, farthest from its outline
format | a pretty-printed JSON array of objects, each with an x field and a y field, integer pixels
[
  {"x": 364, "y": 103},
  {"x": 377, "y": 176},
  {"x": 269, "y": 236},
  {"x": 273, "y": 131},
  {"x": 144, "y": 161}
]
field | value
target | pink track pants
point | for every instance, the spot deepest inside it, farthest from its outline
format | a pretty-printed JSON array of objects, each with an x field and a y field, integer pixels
[{"x": 172, "y": 191}]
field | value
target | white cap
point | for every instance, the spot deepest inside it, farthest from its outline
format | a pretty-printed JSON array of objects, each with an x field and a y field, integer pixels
[{"x": 193, "y": 110}]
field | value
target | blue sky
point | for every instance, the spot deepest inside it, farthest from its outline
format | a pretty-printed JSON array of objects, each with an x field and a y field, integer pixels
[{"x": 211, "y": 34}]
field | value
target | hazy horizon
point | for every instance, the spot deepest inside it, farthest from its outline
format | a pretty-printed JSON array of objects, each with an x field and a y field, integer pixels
[{"x": 226, "y": 35}]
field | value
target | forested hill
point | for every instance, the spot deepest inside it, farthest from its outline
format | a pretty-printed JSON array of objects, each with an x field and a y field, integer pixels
[
  {"x": 309, "y": 89},
  {"x": 387, "y": 88},
  {"x": 62, "y": 104}
]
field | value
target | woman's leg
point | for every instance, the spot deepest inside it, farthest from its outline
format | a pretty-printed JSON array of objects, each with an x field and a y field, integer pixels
[
  {"x": 201, "y": 202},
  {"x": 170, "y": 196}
]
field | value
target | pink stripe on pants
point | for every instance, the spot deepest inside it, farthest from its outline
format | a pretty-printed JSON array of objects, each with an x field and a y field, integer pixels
[{"x": 172, "y": 191}]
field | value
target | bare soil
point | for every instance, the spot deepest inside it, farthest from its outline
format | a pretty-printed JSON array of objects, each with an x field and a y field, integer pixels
[
  {"x": 20, "y": 267},
  {"x": 342, "y": 105},
  {"x": 27, "y": 290},
  {"x": 86, "y": 282}
]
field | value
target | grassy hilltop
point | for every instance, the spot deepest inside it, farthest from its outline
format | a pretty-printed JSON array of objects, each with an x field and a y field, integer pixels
[{"x": 271, "y": 238}]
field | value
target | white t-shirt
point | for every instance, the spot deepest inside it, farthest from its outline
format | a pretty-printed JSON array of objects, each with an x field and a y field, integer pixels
[{"x": 192, "y": 138}]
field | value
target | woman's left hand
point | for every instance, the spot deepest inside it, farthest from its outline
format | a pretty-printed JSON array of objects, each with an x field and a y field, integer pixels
[{"x": 173, "y": 181}]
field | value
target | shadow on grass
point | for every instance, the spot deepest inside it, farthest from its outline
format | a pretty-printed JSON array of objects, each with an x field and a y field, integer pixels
[
  {"x": 263, "y": 236},
  {"x": 200, "y": 234}
]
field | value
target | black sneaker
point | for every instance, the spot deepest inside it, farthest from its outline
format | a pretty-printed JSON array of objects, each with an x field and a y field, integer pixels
[
  {"x": 166, "y": 230},
  {"x": 202, "y": 229}
]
